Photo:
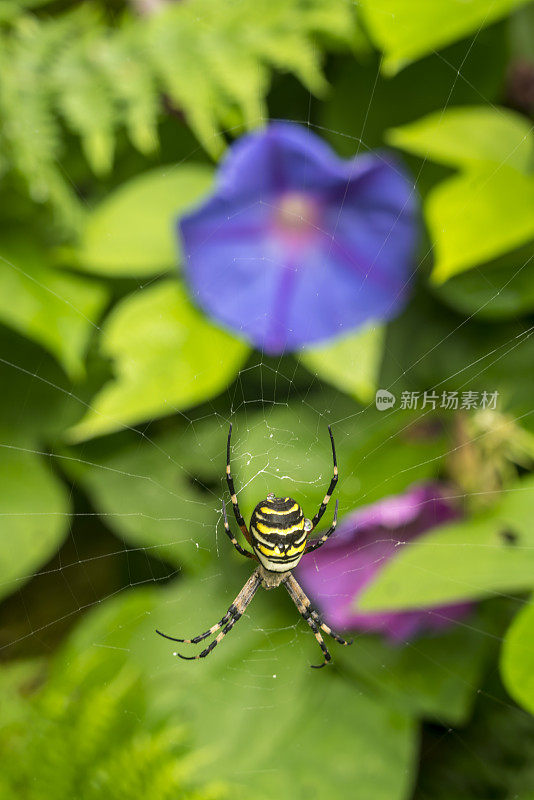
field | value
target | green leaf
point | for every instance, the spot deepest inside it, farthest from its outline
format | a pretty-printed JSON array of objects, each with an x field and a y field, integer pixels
[
  {"x": 167, "y": 357},
  {"x": 11, "y": 9},
  {"x": 521, "y": 38},
  {"x": 517, "y": 658},
  {"x": 405, "y": 30},
  {"x": 255, "y": 683},
  {"x": 459, "y": 137},
  {"x": 503, "y": 289},
  {"x": 50, "y": 405},
  {"x": 351, "y": 363},
  {"x": 492, "y": 756},
  {"x": 478, "y": 216},
  {"x": 390, "y": 102},
  {"x": 132, "y": 232},
  {"x": 462, "y": 561},
  {"x": 14, "y": 675},
  {"x": 434, "y": 676},
  {"x": 34, "y": 509},
  {"x": 159, "y": 495},
  {"x": 56, "y": 309},
  {"x": 488, "y": 209}
]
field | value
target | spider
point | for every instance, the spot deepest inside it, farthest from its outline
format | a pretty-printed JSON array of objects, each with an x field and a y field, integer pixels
[{"x": 278, "y": 536}]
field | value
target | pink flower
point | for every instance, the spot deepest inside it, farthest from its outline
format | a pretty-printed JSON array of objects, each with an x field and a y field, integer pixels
[{"x": 336, "y": 574}]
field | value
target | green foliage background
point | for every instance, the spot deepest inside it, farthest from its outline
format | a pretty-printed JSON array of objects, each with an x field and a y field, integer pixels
[{"x": 116, "y": 393}]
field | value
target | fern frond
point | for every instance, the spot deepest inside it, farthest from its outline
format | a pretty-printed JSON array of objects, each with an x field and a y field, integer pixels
[
  {"x": 90, "y": 740},
  {"x": 82, "y": 90},
  {"x": 137, "y": 93},
  {"x": 213, "y": 61},
  {"x": 31, "y": 134}
]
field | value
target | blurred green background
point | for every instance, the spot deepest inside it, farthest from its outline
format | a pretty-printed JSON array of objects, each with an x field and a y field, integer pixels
[{"x": 116, "y": 394}]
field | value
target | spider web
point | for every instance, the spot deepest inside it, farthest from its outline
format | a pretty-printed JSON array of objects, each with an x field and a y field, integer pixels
[{"x": 280, "y": 413}]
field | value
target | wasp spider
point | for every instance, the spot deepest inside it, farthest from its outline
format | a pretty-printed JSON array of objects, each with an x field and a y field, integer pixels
[{"x": 278, "y": 535}]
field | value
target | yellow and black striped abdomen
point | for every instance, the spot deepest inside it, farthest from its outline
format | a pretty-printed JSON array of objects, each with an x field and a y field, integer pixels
[{"x": 278, "y": 530}]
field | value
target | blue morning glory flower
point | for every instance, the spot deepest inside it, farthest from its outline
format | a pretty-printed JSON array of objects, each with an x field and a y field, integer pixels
[{"x": 297, "y": 245}]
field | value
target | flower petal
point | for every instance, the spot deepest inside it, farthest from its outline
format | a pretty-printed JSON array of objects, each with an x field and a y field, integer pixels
[
  {"x": 323, "y": 274},
  {"x": 283, "y": 156},
  {"x": 336, "y": 574}
]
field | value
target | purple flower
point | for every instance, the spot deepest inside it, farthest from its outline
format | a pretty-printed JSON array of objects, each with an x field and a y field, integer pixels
[
  {"x": 336, "y": 574},
  {"x": 296, "y": 245}
]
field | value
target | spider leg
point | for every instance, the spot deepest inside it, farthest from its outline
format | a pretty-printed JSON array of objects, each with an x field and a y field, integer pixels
[
  {"x": 332, "y": 486},
  {"x": 329, "y": 630},
  {"x": 319, "y": 542},
  {"x": 232, "y": 537},
  {"x": 231, "y": 489},
  {"x": 235, "y": 611},
  {"x": 214, "y": 643},
  {"x": 304, "y": 608},
  {"x": 214, "y": 628},
  {"x": 311, "y": 616},
  {"x": 327, "y": 656}
]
